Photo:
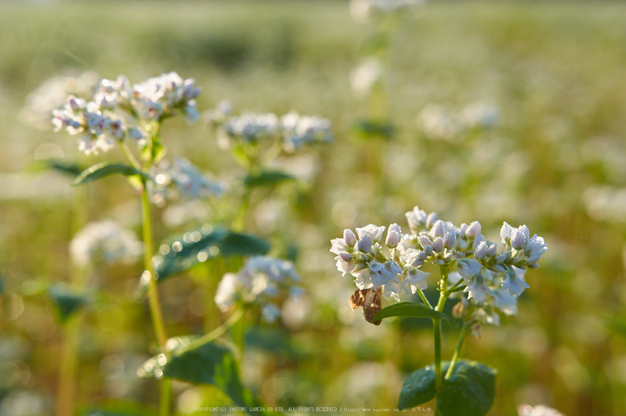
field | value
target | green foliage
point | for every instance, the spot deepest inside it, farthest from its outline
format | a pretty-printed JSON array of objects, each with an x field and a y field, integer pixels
[
  {"x": 198, "y": 245},
  {"x": 102, "y": 170},
  {"x": 469, "y": 391},
  {"x": 66, "y": 301},
  {"x": 414, "y": 310},
  {"x": 210, "y": 364},
  {"x": 419, "y": 387},
  {"x": 62, "y": 166},
  {"x": 267, "y": 178},
  {"x": 370, "y": 129}
]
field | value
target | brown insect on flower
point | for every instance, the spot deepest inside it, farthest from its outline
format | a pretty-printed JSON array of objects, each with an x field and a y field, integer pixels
[{"x": 370, "y": 300}]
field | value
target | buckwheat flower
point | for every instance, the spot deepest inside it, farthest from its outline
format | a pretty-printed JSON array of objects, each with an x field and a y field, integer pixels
[
  {"x": 417, "y": 219},
  {"x": 504, "y": 301},
  {"x": 259, "y": 281},
  {"x": 449, "y": 240},
  {"x": 227, "y": 291},
  {"x": 181, "y": 178},
  {"x": 481, "y": 250},
  {"x": 468, "y": 268},
  {"x": 300, "y": 130},
  {"x": 393, "y": 288},
  {"x": 513, "y": 283},
  {"x": 349, "y": 237},
  {"x": 250, "y": 128},
  {"x": 534, "y": 250},
  {"x": 52, "y": 94},
  {"x": 381, "y": 274},
  {"x": 364, "y": 245},
  {"x": 104, "y": 242},
  {"x": 474, "y": 229},
  {"x": 477, "y": 289},
  {"x": 394, "y": 235},
  {"x": 375, "y": 233},
  {"x": 415, "y": 280}
]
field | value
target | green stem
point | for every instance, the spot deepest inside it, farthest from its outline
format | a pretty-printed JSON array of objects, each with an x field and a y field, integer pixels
[
  {"x": 166, "y": 397},
  {"x": 437, "y": 329},
  {"x": 455, "y": 357},
  {"x": 437, "y": 332},
  {"x": 129, "y": 155},
  {"x": 153, "y": 295},
  {"x": 424, "y": 299},
  {"x": 66, "y": 390},
  {"x": 217, "y": 331},
  {"x": 240, "y": 218}
]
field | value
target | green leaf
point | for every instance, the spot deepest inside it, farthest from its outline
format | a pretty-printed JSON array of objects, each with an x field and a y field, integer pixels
[
  {"x": 58, "y": 165},
  {"x": 193, "y": 247},
  {"x": 210, "y": 364},
  {"x": 370, "y": 129},
  {"x": 66, "y": 301},
  {"x": 267, "y": 178},
  {"x": 238, "y": 244},
  {"x": 415, "y": 310},
  {"x": 419, "y": 387},
  {"x": 105, "y": 169},
  {"x": 469, "y": 391}
]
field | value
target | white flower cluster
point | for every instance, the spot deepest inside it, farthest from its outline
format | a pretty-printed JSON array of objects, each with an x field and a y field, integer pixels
[
  {"x": 292, "y": 129},
  {"x": 52, "y": 94},
  {"x": 104, "y": 242},
  {"x": 182, "y": 178},
  {"x": 438, "y": 123},
  {"x": 488, "y": 277},
  {"x": 365, "y": 10},
  {"x": 261, "y": 280},
  {"x": 104, "y": 119}
]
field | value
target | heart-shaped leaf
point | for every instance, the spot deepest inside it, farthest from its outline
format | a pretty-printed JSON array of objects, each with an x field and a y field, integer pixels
[
  {"x": 419, "y": 387},
  {"x": 102, "y": 170},
  {"x": 414, "y": 310},
  {"x": 66, "y": 301},
  {"x": 469, "y": 391}
]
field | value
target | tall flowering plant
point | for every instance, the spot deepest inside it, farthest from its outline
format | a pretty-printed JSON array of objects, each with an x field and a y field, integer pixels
[
  {"x": 130, "y": 118},
  {"x": 486, "y": 277}
]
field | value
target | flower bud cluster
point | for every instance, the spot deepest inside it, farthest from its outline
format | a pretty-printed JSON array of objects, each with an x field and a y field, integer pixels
[
  {"x": 263, "y": 280},
  {"x": 364, "y": 258},
  {"x": 291, "y": 130},
  {"x": 106, "y": 117},
  {"x": 182, "y": 178},
  {"x": 299, "y": 130},
  {"x": 487, "y": 277},
  {"x": 104, "y": 242}
]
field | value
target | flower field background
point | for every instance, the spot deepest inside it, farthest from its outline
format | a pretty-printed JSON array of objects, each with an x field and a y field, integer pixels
[{"x": 552, "y": 154}]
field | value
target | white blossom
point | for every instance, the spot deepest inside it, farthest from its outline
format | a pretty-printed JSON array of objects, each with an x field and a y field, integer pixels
[{"x": 104, "y": 242}]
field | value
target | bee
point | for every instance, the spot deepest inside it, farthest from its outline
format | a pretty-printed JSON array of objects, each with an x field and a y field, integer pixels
[{"x": 370, "y": 300}]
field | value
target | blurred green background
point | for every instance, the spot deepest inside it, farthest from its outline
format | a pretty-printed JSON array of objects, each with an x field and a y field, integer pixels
[{"x": 556, "y": 161}]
